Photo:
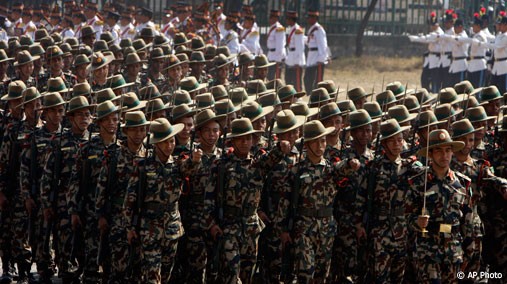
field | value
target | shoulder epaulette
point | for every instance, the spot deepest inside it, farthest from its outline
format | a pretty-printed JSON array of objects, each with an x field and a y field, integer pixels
[
  {"x": 99, "y": 23},
  {"x": 280, "y": 29},
  {"x": 299, "y": 31},
  {"x": 31, "y": 28},
  {"x": 254, "y": 33}
]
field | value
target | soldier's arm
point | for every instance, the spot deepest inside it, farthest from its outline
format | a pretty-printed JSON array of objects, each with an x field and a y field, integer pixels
[
  {"x": 345, "y": 167},
  {"x": 188, "y": 167},
  {"x": 268, "y": 160},
  {"x": 210, "y": 196},
  {"x": 74, "y": 183},
  {"x": 4, "y": 158},
  {"x": 414, "y": 201},
  {"x": 46, "y": 180},
  {"x": 24, "y": 174},
  {"x": 100, "y": 201},
  {"x": 499, "y": 183},
  {"x": 131, "y": 197},
  {"x": 299, "y": 39},
  {"x": 362, "y": 197},
  {"x": 282, "y": 215}
]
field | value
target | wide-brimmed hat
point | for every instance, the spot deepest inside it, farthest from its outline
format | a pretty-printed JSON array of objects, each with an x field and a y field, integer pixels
[
  {"x": 40, "y": 34},
  {"x": 261, "y": 61},
  {"x": 182, "y": 97},
  {"x": 87, "y": 31},
  {"x": 449, "y": 96},
  {"x": 445, "y": 111},
  {"x": 319, "y": 97},
  {"x": 52, "y": 100},
  {"x": 107, "y": 37},
  {"x": 239, "y": 96},
  {"x": 440, "y": 138},
  {"x": 464, "y": 87},
  {"x": 359, "y": 118},
  {"x": 155, "y": 105},
  {"x": 81, "y": 89},
  {"x": 197, "y": 57},
  {"x": 391, "y": 127},
  {"x": 330, "y": 86},
  {"x": 81, "y": 59},
  {"x": 463, "y": 127},
  {"x": 373, "y": 109},
  {"x": 125, "y": 42},
  {"x": 478, "y": 114},
  {"x": 398, "y": 89},
  {"x": 385, "y": 98},
  {"x": 257, "y": 87},
  {"x": 241, "y": 127},
  {"x": 100, "y": 45},
  {"x": 347, "y": 105},
  {"x": 23, "y": 58},
  {"x": 205, "y": 100},
  {"x": 53, "y": 51},
  {"x": 134, "y": 119},
  {"x": 14, "y": 91},
  {"x": 424, "y": 97},
  {"x": 488, "y": 94},
  {"x": 131, "y": 102},
  {"x": 104, "y": 109},
  {"x": 140, "y": 45},
  {"x": 161, "y": 130},
  {"x": 57, "y": 85},
  {"x": 315, "y": 129},
  {"x": 147, "y": 32},
  {"x": 29, "y": 94},
  {"x": 275, "y": 84},
  {"x": 270, "y": 100},
  {"x": 160, "y": 40},
  {"x": 106, "y": 94},
  {"x": 220, "y": 61},
  {"x": 219, "y": 92},
  {"x": 411, "y": 103},
  {"x": 401, "y": 114},
  {"x": 181, "y": 111},
  {"x": 503, "y": 125},
  {"x": 329, "y": 110},
  {"x": 79, "y": 102},
  {"x": 286, "y": 121},
  {"x": 25, "y": 41},
  {"x": 117, "y": 81},
  {"x": 245, "y": 58},
  {"x": 179, "y": 39},
  {"x": 173, "y": 61},
  {"x": 150, "y": 92},
  {"x": 302, "y": 108},
  {"x": 427, "y": 118},
  {"x": 224, "y": 107},
  {"x": 197, "y": 43},
  {"x": 255, "y": 111},
  {"x": 204, "y": 117},
  {"x": 287, "y": 92},
  {"x": 35, "y": 49},
  {"x": 357, "y": 93},
  {"x": 190, "y": 84},
  {"x": 99, "y": 60},
  {"x": 210, "y": 51},
  {"x": 133, "y": 58},
  {"x": 157, "y": 53}
]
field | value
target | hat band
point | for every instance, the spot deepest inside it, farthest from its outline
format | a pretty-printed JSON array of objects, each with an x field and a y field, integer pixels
[
  {"x": 135, "y": 123},
  {"x": 438, "y": 142},
  {"x": 240, "y": 130},
  {"x": 256, "y": 90},
  {"x": 311, "y": 134},
  {"x": 357, "y": 122},
  {"x": 390, "y": 132},
  {"x": 332, "y": 112},
  {"x": 461, "y": 132},
  {"x": 80, "y": 93},
  {"x": 190, "y": 88},
  {"x": 481, "y": 116},
  {"x": 134, "y": 104},
  {"x": 160, "y": 135},
  {"x": 155, "y": 108},
  {"x": 73, "y": 107},
  {"x": 491, "y": 96},
  {"x": 398, "y": 91},
  {"x": 288, "y": 124},
  {"x": 56, "y": 89},
  {"x": 288, "y": 94},
  {"x": 254, "y": 113},
  {"x": 13, "y": 94},
  {"x": 120, "y": 82}
]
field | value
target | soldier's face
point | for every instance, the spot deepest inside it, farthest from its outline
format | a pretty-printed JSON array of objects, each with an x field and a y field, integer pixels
[
  {"x": 13, "y": 105},
  {"x": 156, "y": 65},
  {"x": 492, "y": 107},
  {"x": 469, "y": 141},
  {"x": 316, "y": 147},
  {"x": 166, "y": 147},
  {"x": 30, "y": 107},
  {"x": 158, "y": 114},
  {"x": 441, "y": 157},
  {"x": 197, "y": 68},
  {"x": 360, "y": 103},
  {"x": 242, "y": 145},
  {"x": 334, "y": 121},
  {"x": 3, "y": 67},
  {"x": 260, "y": 124},
  {"x": 101, "y": 72},
  {"x": 81, "y": 119},
  {"x": 54, "y": 115},
  {"x": 188, "y": 122},
  {"x": 393, "y": 145},
  {"x": 184, "y": 69},
  {"x": 174, "y": 73},
  {"x": 26, "y": 69},
  {"x": 290, "y": 136},
  {"x": 479, "y": 135},
  {"x": 209, "y": 133},
  {"x": 262, "y": 73},
  {"x": 136, "y": 135},
  {"x": 56, "y": 64},
  {"x": 362, "y": 135},
  {"x": 109, "y": 124},
  {"x": 133, "y": 69},
  {"x": 67, "y": 62},
  {"x": 81, "y": 71},
  {"x": 223, "y": 72}
]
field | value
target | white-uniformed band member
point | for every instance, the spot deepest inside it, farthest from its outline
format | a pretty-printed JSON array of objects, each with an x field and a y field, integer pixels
[
  {"x": 442, "y": 80},
  {"x": 275, "y": 44},
  {"x": 458, "y": 68},
  {"x": 318, "y": 55},
  {"x": 499, "y": 71},
  {"x": 144, "y": 15},
  {"x": 296, "y": 58},
  {"x": 127, "y": 29},
  {"x": 92, "y": 20},
  {"x": 477, "y": 64},
  {"x": 231, "y": 38},
  {"x": 249, "y": 36}
]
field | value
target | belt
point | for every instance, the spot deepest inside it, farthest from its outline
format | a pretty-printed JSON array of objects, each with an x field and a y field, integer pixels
[
  {"x": 448, "y": 53},
  {"x": 435, "y": 53},
  {"x": 459, "y": 58},
  {"x": 292, "y": 49},
  {"x": 161, "y": 207},
  {"x": 313, "y": 49},
  {"x": 500, "y": 59},
  {"x": 316, "y": 213},
  {"x": 236, "y": 212},
  {"x": 475, "y": 57},
  {"x": 272, "y": 49},
  {"x": 384, "y": 211},
  {"x": 436, "y": 228}
]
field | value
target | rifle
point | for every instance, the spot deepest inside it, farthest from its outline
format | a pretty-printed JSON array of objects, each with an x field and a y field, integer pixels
[
  {"x": 33, "y": 185},
  {"x": 288, "y": 256}
]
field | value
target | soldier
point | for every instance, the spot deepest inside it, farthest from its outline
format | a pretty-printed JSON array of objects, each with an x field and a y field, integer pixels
[
  {"x": 113, "y": 182},
  {"x": 217, "y": 16},
  {"x": 24, "y": 66},
  {"x": 99, "y": 69},
  {"x": 331, "y": 116},
  {"x": 231, "y": 38},
  {"x": 276, "y": 45},
  {"x": 197, "y": 65},
  {"x": 318, "y": 54},
  {"x": 249, "y": 36},
  {"x": 482, "y": 178},
  {"x": 28, "y": 27},
  {"x": 295, "y": 51},
  {"x": 127, "y": 29},
  {"x": 54, "y": 59},
  {"x": 159, "y": 179},
  {"x": 17, "y": 21},
  {"x": 237, "y": 226},
  {"x": 156, "y": 65},
  {"x": 477, "y": 67},
  {"x": 90, "y": 12},
  {"x": 144, "y": 17},
  {"x": 381, "y": 205},
  {"x": 112, "y": 26},
  {"x": 257, "y": 115},
  {"x": 54, "y": 185},
  {"x": 220, "y": 71},
  {"x": 459, "y": 50},
  {"x": 132, "y": 71},
  {"x": 67, "y": 28},
  {"x": 499, "y": 71},
  {"x": 84, "y": 179},
  {"x": 79, "y": 20},
  {"x": 307, "y": 204},
  {"x": 174, "y": 74},
  {"x": 437, "y": 199},
  {"x": 480, "y": 120}
]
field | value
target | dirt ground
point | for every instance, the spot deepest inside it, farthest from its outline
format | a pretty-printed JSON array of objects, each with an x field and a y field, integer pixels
[{"x": 369, "y": 72}]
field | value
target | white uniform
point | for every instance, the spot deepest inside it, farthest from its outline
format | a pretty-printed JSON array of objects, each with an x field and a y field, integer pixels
[
  {"x": 250, "y": 41},
  {"x": 276, "y": 43},
  {"x": 127, "y": 31},
  {"x": 77, "y": 31},
  {"x": 446, "y": 52},
  {"x": 317, "y": 45},
  {"x": 459, "y": 51},
  {"x": 148, "y": 24},
  {"x": 29, "y": 29},
  {"x": 66, "y": 33},
  {"x": 434, "y": 46},
  {"x": 220, "y": 22},
  {"x": 167, "y": 29},
  {"x": 295, "y": 46},
  {"x": 115, "y": 32},
  {"x": 500, "y": 50},
  {"x": 97, "y": 25},
  {"x": 17, "y": 28},
  {"x": 231, "y": 41},
  {"x": 3, "y": 35},
  {"x": 478, "y": 50}
]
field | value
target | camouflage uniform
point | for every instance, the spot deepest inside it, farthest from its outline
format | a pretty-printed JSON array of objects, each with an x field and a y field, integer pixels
[
  {"x": 14, "y": 220},
  {"x": 381, "y": 203},
  {"x": 345, "y": 247},
  {"x": 440, "y": 254},
  {"x": 109, "y": 204},
  {"x": 30, "y": 188},
  {"x": 82, "y": 199},
  {"x": 314, "y": 224},
  {"x": 96, "y": 87},
  {"x": 239, "y": 201},
  {"x": 135, "y": 87},
  {"x": 160, "y": 222},
  {"x": 62, "y": 229}
]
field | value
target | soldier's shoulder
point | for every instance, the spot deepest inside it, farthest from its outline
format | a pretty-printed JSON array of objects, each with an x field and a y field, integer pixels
[
  {"x": 417, "y": 176},
  {"x": 280, "y": 29},
  {"x": 99, "y": 23},
  {"x": 299, "y": 31},
  {"x": 254, "y": 33},
  {"x": 462, "y": 177}
]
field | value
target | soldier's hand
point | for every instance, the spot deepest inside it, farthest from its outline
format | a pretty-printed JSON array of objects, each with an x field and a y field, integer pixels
[
  {"x": 131, "y": 235},
  {"x": 285, "y": 146},
  {"x": 29, "y": 205},
  {"x": 215, "y": 231},
  {"x": 263, "y": 217},
  {"x": 103, "y": 225},
  {"x": 196, "y": 156},
  {"x": 48, "y": 214},
  {"x": 285, "y": 238},
  {"x": 360, "y": 232},
  {"x": 3, "y": 201},
  {"x": 76, "y": 222},
  {"x": 354, "y": 164},
  {"x": 422, "y": 221}
]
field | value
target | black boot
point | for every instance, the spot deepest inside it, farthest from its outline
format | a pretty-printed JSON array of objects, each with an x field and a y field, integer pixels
[
  {"x": 24, "y": 273},
  {"x": 7, "y": 275}
]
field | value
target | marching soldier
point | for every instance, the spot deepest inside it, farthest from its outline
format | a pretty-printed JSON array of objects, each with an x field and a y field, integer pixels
[
  {"x": 477, "y": 67},
  {"x": 276, "y": 45},
  {"x": 318, "y": 55},
  {"x": 112, "y": 26},
  {"x": 79, "y": 20},
  {"x": 145, "y": 16},
  {"x": 99, "y": 69},
  {"x": 90, "y": 12},
  {"x": 127, "y": 29},
  {"x": 295, "y": 52},
  {"x": 249, "y": 37},
  {"x": 437, "y": 200},
  {"x": 24, "y": 65},
  {"x": 459, "y": 56},
  {"x": 54, "y": 59},
  {"x": 230, "y": 37},
  {"x": 152, "y": 196},
  {"x": 55, "y": 184}
]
